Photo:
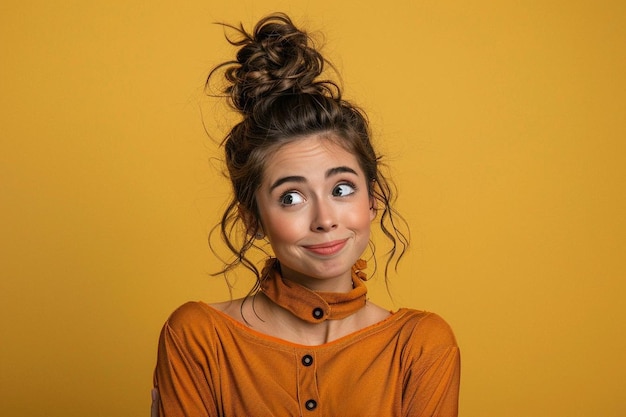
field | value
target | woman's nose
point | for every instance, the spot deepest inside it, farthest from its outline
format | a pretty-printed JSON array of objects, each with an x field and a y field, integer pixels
[{"x": 324, "y": 217}]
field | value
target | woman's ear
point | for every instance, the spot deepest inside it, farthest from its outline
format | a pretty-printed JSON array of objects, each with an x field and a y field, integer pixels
[
  {"x": 253, "y": 226},
  {"x": 373, "y": 208},
  {"x": 373, "y": 202}
]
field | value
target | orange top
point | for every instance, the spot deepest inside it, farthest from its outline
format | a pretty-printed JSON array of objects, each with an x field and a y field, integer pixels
[{"x": 209, "y": 364}]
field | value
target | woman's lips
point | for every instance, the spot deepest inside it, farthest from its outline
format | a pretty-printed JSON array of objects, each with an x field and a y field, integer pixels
[{"x": 328, "y": 248}]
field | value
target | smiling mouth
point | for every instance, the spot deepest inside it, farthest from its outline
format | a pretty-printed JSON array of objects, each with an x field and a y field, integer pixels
[{"x": 329, "y": 248}]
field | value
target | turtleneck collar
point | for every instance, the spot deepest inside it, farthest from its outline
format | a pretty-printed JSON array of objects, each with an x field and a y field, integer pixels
[{"x": 314, "y": 306}]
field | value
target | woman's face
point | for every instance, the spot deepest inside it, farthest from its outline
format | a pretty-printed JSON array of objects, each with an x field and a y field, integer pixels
[{"x": 316, "y": 211}]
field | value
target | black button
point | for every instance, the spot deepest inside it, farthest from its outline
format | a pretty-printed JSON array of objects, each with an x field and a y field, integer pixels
[
  {"x": 307, "y": 360},
  {"x": 310, "y": 405},
  {"x": 318, "y": 313}
]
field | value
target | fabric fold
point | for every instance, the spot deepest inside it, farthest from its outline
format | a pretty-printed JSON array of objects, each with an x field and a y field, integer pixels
[{"x": 314, "y": 306}]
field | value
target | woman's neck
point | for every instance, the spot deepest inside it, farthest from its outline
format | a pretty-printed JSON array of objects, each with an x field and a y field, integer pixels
[{"x": 290, "y": 311}]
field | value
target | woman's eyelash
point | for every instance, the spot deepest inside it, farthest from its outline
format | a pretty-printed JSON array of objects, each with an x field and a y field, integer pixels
[
  {"x": 291, "y": 193},
  {"x": 340, "y": 189}
]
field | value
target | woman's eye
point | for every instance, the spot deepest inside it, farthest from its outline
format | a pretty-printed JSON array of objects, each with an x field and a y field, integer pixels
[
  {"x": 342, "y": 190},
  {"x": 291, "y": 198}
]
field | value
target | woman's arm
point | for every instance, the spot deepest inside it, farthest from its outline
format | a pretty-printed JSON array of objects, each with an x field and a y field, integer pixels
[
  {"x": 182, "y": 375},
  {"x": 154, "y": 408},
  {"x": 433, "y": 376}
]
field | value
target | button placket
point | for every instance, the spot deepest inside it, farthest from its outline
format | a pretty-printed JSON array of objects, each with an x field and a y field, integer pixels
[{"x": 308, "y": 396}]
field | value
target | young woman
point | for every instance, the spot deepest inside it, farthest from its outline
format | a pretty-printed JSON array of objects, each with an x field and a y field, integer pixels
[{"x": 307, "y": 341}]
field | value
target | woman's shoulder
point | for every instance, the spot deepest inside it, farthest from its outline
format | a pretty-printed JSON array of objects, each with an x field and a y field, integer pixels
[
  {"x": 194, "y": 315},
  {"x": 426, "y": 328}
]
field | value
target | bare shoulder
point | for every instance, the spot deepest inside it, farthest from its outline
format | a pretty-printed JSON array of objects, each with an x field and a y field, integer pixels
[
  {"x": 199, "y": 312},
  {"x": 240, "y": 309},
  {"x": 227, "y": 306},
  {"x": 373, "y": 313}
]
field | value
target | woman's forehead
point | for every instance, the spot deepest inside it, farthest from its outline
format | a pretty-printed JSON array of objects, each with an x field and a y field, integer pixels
[{"x": 309, "y": 154}]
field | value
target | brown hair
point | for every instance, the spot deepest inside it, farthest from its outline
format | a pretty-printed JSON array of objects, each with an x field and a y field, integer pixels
[{"x": 274, "y": 84}]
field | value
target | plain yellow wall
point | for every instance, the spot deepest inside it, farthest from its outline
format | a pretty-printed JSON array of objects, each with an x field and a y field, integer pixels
[{"x": 504, "y": 125}]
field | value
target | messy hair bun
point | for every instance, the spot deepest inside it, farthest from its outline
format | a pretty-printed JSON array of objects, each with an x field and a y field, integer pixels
[
  {"x": 275, "y": 85},
  {"x": 276, "y": 59}
]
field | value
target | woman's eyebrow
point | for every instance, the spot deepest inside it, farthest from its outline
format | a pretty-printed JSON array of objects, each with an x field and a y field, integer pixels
[
  {"x": 340, "y": 170},
  {"x": 292, "y": 178},
  {"x": 300, "y": 179}
]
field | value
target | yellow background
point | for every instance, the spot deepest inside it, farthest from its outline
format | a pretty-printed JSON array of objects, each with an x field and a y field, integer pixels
[{"x": 504, "y": 125}]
